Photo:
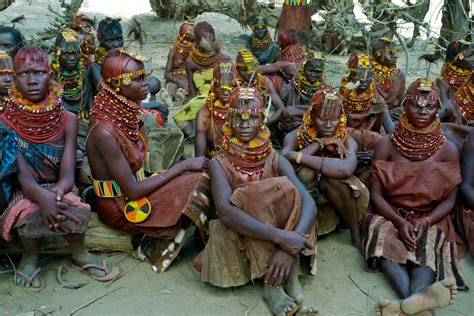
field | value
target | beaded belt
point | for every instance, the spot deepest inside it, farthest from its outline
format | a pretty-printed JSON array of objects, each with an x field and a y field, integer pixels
[
  {"x": 110, "y": 188},
  {"x": 179, "y": 72}
]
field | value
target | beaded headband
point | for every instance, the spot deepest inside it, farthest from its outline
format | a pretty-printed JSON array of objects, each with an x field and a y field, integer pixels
[
  {"x": 6, "y": 66},
  {"x": 244, "y": 97},
  {"x": 258, "y": 22},
  {"x": 127, "y": 77},
  {"x": 423, "y": 93},
  {"x": 318, "y": 58},
  {"x": 249, "y": 60},
  {"x": 329, "y": 103},
  {"x": 70, "y": 35}
]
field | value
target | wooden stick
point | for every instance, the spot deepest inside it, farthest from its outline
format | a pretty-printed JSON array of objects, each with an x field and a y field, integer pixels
[
  {"x": 352, "y": 280},
  {"x": 92, "y": 301}
]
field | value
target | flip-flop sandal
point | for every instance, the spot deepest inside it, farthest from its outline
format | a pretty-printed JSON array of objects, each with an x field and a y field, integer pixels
[
  {"x": 30, "y": 279},
  {"x": 107, "y": 277}
]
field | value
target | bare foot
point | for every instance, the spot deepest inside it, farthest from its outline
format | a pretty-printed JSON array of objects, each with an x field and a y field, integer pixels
[
  {"x": 293, "y": 288},
  {"x": 438, "y": 295},
  {"x": 28, "y": 273},
  {"x": 280, "y": 303},
  {"x": 387, "y": 307}
]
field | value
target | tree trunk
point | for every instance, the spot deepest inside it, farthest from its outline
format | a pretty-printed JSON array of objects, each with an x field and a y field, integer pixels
[
  {"x": 455, "y": 22},
  {"x": 5, "y": 4},
  {"x": 98, "y": 238}
]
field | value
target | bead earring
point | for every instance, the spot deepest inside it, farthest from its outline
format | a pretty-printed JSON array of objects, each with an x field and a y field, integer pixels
[{"x": 461, "y": 56}]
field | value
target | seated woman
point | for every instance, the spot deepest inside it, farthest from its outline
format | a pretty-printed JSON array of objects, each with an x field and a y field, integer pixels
[
  {"x": 37, "y": 172},
  {"x": 6, "y": 78},
  {"x": 464, "y": 217},
  {"x": 213, "y": 115},
  {"x": 456, "y": 84},
  {"x": 363, "y": 105},
  {"x": 175, "y": 72},
  {"x": 389, "y": 80},
  {"x": 69, "y": 71},
  {"x": 408, "y": 232},
  {"x": 324, "y": 157},
  {"x": 257, "y": 237},
  {"x": 260, "y": 42},
  {"x": 291, "y": 59},
  {"x": 297, "y": 94},
  {"x": 199, "y": 66},
  {"x": 116, "y": 149}
]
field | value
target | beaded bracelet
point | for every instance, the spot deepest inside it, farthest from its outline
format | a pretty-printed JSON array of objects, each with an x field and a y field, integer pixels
[{"x": 298, "y": 157}]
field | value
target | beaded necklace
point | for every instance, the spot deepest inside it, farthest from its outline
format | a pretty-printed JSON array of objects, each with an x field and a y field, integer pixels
[
  {"x": 293, "y": 53},
  {"x": 203, "y": 59},
  {"x": 261, "y": 44},
  {"x": 38, "y": 122},
  {"x": 100, "y": 55},
  {"x": 3, "y": 103},
  {"x": 247, "y": 158},
  {"x": 307, "y": 134},
  {"x": 306, "y": 89},
  {"x": 456, "y": 77},
  {"x": 383, "y": 75},
  {"x": 183, "y": 46},
  {"x": 465, "y": 99},
  {"x": 70, "y": 80},
  {"x": 417, "y": 144},
  {"x": 118, "y": 110},
  {"x": 356, "y": 101}
]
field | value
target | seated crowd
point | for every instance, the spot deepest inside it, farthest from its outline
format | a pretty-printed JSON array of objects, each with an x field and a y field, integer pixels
[{"x": 281, "y": 157}]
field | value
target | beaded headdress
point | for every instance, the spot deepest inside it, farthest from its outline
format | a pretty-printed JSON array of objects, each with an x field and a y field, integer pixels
[
  {"x": 422, "y": 91},
  {"x": 248, "y": 60},
  {"x": 240, "y": 101},
  {"x": 114, "y": 71},
  {"x": 318, "y": 59},
  {"x": 258, "y": 22},
  {"x": 227, "y": 75},
  {"x": 6, "y": 65},
  {"x": 359, "y": 64}
]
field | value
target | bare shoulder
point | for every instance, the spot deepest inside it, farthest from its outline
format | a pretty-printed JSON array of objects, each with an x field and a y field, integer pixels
[
  {"x": 449, "y": 151},
  {"x": 383, "y": 148}
]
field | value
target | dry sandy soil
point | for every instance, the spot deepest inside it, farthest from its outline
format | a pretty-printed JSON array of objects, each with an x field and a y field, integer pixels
[{"x": 179, "y": 290}]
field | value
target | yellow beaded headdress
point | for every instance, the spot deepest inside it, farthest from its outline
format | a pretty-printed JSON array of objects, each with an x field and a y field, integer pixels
[
  {"x": 317, "y": 58},
  {"x": 359, "y": 64},
  {"x": 248, "y": 59}
]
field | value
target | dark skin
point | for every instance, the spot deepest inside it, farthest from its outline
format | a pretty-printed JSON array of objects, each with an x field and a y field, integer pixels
[
  {"x": 334, "y": 169},
  {"x": 289, "y": 243},
  {"x": 388, "y": 57},
  {"x": 410, "y": 279},
  {"x": 288, "y": 67},
  {"x": 201, "y": 141},
  {"x": 109, "y": 42},
  {"x": 467, "y": 161},
  {"x": 32, "y": 81},
  {"x": 6, "y": 81},
  {"x": 8, "y": 44},
  {"x": 446, "y": 91},
  {"x": 107, "y": 160},
  {"x": 190, "y": 66},
  {"x": 69, "y": 59},
  {"x": 246, "y": 75}
]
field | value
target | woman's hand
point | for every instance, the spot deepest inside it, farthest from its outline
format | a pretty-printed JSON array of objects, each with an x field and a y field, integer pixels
[
  {"x": 336, "y": 144},
  {"x": 279, "y": 268}
]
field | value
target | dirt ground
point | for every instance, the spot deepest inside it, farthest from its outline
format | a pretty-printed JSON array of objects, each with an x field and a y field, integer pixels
[{"x": 337, "y": 289}]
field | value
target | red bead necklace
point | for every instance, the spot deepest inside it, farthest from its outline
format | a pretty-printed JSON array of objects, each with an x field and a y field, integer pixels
[
  {"x": 118, "y": 110},
  {"x": 417, "y": 144}
]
